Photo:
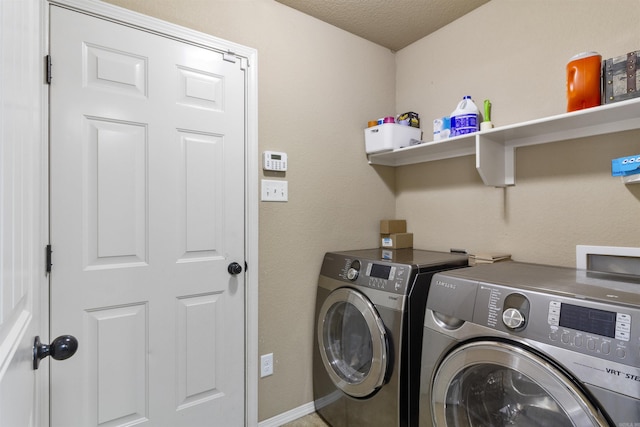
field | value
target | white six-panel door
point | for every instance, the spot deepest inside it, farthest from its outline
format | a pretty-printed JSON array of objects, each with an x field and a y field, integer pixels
[{"x": 147, "y": 212}]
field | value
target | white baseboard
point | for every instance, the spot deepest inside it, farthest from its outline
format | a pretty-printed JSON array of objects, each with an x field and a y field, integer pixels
[{"x": 287, "y": 417}]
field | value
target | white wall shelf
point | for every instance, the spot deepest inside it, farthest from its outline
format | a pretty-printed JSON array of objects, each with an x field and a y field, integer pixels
[{"x": 495, "y": 148}]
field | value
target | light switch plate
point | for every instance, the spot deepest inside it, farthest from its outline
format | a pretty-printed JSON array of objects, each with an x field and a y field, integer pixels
[{"x": 274, "y": 191}]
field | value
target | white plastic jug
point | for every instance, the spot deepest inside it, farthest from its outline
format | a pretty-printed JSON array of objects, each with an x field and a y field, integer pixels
[{"x": 464, "y": 118}]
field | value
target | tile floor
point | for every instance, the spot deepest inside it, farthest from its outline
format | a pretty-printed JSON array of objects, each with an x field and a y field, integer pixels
[{"x": 311, "y": 420}]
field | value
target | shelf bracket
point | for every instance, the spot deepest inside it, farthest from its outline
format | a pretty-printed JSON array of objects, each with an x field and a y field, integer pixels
[{"x": 495, "y": 162}]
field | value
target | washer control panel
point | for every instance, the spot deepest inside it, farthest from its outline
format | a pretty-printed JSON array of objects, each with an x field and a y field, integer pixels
[
  {"x": 591, "y": 327},
  {"x": 603, "y": 330},
  {"x": 605, "y": 323}
]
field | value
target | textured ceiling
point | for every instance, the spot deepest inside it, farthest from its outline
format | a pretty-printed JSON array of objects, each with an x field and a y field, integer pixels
[{"x": 391, "y": 23}]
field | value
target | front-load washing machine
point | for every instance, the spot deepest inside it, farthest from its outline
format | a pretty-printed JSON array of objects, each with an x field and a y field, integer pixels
[
  {"x": 369, "y": 314},
  {"x": 514, "y": 344}
]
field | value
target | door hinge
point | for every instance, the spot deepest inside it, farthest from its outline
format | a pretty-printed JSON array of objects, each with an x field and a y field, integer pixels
[
  {"x": 229, "y": 56},
  {"x": 48, "y": 258},
  {"x": 48, "y": 69}
]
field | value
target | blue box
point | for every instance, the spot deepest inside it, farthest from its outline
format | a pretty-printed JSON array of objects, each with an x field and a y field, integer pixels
[{"x": 625, "y": 166}]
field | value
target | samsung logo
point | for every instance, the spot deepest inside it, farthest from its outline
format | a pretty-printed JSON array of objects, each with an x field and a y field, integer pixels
[{"x": 445, "y": 284}]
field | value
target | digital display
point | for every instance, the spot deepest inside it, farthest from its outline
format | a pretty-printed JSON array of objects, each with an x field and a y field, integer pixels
[
  {"x": 276, "y": 157},
  {"x": 588, "y": 320},
  {"x": 380, "y": 271}
]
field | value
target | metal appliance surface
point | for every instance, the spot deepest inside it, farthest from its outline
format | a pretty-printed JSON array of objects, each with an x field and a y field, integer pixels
[
  {"x": 531, "y": 345},
  {"x": 369, "y": 317}
]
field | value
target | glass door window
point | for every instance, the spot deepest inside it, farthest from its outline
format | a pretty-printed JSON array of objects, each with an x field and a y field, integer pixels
[
  {"x": 352, "y": 353},
  {"x": 499, "y": 384},
  {"x": 353, "y": 342}
]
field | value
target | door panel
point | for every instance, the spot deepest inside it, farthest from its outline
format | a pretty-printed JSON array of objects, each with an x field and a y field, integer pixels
[
  {"x": 115, "y": 194},
  {"x": 147, "y": 211}
]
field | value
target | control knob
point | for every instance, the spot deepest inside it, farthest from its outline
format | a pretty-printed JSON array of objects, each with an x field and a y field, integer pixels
[
  {"x": 352, "y": 274},
  {"x": 354, "y": 270},
  {"x": 513, "y": 318}
]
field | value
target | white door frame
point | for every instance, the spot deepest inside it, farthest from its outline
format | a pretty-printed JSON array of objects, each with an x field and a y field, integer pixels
[{"x": 250, "y": 56}]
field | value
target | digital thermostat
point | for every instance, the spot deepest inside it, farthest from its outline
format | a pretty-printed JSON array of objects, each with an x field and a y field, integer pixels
[{"x": 274, "y": 161}]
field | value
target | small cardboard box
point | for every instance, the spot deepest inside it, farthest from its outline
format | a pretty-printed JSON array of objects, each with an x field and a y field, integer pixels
[
  {"x": 390, "y": 226},
  {"x": 389, "y": 136},
  {"x": 396, "y": 240}
]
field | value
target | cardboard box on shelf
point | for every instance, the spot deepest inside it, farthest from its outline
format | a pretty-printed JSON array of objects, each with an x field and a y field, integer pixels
[
  {"x": 390, "y": 226},
  {"x": 396, "y": 240}
]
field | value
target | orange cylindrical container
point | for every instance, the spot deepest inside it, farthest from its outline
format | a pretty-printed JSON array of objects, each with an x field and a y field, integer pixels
[{"x": 584, "y": 81}]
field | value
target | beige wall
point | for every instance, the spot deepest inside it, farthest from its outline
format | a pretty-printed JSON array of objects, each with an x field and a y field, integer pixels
[
  {"x": 514, "y": 52},
  {"x": 317, "y": 87}
]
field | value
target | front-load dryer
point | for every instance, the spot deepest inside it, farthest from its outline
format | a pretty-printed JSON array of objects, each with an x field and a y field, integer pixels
[
  {"x": 514, "y": 344},
  {"x": 369, "y": 315}
]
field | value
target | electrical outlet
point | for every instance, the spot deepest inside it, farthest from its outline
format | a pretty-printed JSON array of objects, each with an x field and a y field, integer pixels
[{"x": 266, "y": 365}]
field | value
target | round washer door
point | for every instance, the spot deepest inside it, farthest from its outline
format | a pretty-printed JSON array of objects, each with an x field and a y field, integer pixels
[
  {"x": 489, "y": 383},
  {"x": 353, "y": 342}
]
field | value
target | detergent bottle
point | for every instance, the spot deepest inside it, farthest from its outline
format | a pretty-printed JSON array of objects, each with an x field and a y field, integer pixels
[
  {"x": 583, "y": 81},
  {"x": 464, "y": 118}
]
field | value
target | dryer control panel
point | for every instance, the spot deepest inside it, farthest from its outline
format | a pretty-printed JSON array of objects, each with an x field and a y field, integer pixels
[
  {"x": 369, "y": 268},
  {"x": 386, "y": 277}
]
